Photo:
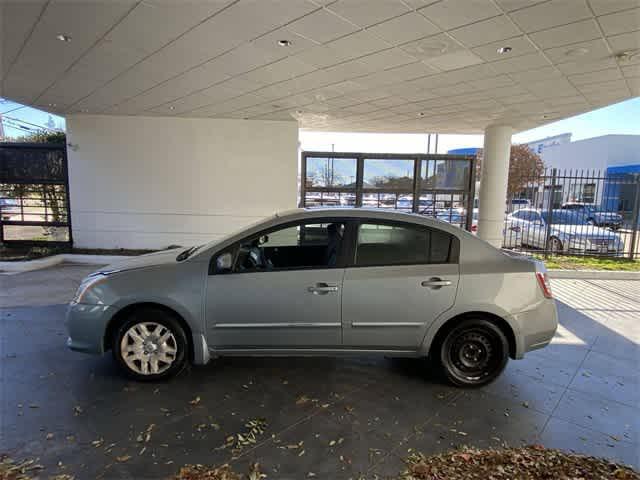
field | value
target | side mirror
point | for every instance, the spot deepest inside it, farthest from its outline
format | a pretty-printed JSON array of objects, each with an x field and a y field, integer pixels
[{"x": 224, "y": 262}]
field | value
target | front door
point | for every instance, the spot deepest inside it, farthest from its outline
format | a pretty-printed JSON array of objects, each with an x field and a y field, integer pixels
[
  {"x": 404, "y": 276},
  {"x": 283, "y": 291}
]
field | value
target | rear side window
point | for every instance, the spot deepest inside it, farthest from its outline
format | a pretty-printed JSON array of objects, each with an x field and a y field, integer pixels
[{"x": 395, "y": 244}]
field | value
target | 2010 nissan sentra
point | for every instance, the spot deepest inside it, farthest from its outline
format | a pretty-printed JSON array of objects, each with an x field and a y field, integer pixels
[{"x": 320, "y": 282}]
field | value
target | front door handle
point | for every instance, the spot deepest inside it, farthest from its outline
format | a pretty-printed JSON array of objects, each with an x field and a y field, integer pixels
[
  {"x": 436, "y": 283},
  {"x": 323, "y": 288}
]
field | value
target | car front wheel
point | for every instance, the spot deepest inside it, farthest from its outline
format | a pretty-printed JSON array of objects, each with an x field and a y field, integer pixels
[
  {"x": 150, "y": 345},
  {"x": 473, "y": 353}
]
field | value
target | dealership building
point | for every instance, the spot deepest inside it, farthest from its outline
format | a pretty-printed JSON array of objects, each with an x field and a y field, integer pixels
[{"x": 183, "y": 117}]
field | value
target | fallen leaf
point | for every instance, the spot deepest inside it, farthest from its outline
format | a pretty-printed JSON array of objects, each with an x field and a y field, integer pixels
[{"x": 123, "y": 458}]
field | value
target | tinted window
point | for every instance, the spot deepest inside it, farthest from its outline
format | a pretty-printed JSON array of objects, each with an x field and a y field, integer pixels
[
  {"x": 534, "y": 217},
  {"x": 392, "y": 244},
  {"x": 305, "y": 245}
]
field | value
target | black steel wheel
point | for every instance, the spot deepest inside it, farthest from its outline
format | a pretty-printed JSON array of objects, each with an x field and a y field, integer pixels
[{"x": 473, "y": 353}]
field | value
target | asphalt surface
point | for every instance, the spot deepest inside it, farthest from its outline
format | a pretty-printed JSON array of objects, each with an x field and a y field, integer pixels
[{"x": 335, "y": 418}]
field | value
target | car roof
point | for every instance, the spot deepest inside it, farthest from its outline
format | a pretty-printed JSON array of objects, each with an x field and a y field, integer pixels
[
  {"x": 364, "y": 212},
  {"x": 355, "y": 212}
]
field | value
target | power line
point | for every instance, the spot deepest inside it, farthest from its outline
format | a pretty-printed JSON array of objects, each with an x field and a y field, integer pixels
[
  {"x": 14, "y": 109},
  {"x": 33, "y": 124}
]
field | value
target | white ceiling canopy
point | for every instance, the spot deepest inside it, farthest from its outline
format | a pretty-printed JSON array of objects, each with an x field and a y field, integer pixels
[{"x": 451, "y": 66}]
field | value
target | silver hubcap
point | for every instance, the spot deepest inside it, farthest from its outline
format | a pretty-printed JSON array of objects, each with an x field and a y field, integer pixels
[{"x": 148, "y": 348}]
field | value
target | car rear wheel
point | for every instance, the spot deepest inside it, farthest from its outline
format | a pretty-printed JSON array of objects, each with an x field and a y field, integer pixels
[
  {"x": 150, "y": 345},
  {"x": 555, "y": 245},
  {"x": 473, "y": 353}
]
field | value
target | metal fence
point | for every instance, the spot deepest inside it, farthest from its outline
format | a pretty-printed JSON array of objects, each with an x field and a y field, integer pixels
[
  {"x": 34, "y": 194},
  {"x": 441, "y": 186},
  {"x": 574, "y": 212}
]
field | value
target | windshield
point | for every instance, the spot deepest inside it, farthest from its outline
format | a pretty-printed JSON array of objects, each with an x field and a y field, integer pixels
[{"x": 184, "y": 255}]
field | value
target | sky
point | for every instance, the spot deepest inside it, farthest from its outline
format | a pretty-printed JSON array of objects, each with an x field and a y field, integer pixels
[{"x": 621, "y": 118}]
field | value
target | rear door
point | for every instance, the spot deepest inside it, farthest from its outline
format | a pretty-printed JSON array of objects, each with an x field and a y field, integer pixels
[{"x": 402, "y": 278}]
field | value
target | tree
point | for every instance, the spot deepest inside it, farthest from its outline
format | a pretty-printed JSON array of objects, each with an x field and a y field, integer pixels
[
  {"x": 327, "y": 176},
  {"x": 42, "y": 136},
  {"x": 525, "y": 166}
]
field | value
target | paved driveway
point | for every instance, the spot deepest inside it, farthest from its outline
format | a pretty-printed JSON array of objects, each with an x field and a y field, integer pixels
[{"x": 336, "y": 418}]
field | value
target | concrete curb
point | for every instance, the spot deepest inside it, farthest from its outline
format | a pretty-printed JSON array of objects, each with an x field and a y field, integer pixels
[
  {"x": 593, "y": 275},
  {"x": 9, "y": 268}
]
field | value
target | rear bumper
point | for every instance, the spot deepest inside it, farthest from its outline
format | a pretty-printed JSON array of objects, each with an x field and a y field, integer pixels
[
  {"x": 87, "y": 325},
  {"x": 536, "y": 327}
]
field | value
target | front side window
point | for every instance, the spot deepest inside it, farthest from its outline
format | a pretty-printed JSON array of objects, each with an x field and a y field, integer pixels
[
  {"x": 395, "y": 244},
  {"x": 303, "y": 245}
]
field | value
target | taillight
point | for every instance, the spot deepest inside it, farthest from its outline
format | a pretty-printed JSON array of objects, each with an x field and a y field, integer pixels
[
  {"x": 474, "y": 228},
  {"x": 545, "y": 285}
]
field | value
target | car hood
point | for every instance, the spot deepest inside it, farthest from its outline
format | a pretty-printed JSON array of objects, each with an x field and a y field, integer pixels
[
  {"x": 143, "y": 261},
  {"x": 584, "y": 231}
]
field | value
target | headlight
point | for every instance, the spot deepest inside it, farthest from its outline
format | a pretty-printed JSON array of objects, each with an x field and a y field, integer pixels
[{"x": 87, "y": 285}]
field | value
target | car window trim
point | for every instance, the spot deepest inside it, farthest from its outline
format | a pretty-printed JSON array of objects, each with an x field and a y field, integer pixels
[
  {"x": 453, "y": 255},
  {"x": 341, "y": 260}
]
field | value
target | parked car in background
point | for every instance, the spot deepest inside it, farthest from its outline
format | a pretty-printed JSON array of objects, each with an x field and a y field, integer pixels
[
  {"x": 567, "y": 232},
  {"x": 8, "y": 208},
  {"x": 320, "y": 282},
  {"x": 517, "y": 203},
  {"x": 592, "y": 216},
  {"x": 512, "y": 234}
]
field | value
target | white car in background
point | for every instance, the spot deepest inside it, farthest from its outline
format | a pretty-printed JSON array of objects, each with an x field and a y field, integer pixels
[
  {"x": 567, "y": 232},
  {"x": 511, "y": 234},
  {"x": 8, "y": 208}
]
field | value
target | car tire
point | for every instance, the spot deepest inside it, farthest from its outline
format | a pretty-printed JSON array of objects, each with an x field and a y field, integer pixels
[
  {"x": 592, "y": 222},
  {"x": 555, "y": 245},
  {"x": 151, "y": 345},
  {"x": 473, "y": 353}
]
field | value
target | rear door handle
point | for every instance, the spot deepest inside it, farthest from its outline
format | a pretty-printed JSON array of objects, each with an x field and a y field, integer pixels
[
  {"x": 323, "y": 288},
  {"x": 436, "y": 283}
]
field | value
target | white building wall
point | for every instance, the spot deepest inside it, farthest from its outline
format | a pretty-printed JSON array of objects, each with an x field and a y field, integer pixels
[
  {"x": 594, "y": 153},
  {"x": 149, "y": 182}
]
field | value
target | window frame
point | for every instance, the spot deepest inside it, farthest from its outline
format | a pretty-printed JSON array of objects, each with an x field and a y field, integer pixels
[
  {"x": 234, "y": 248},
  {"x": 453, "y": 256}
]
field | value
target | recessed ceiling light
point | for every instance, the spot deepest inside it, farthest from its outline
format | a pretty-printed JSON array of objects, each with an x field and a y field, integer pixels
[
  {"x": 63, "y": 38},
  {"x": 51, "y": 105},
  {"x": 284, "y": 43},
  {"x": 275, "y": 105},
  {"x": 85, "y": 110},
  {"x": 627, "y": 56},
  {"x": 172, "y": 107},
  {"x": 421, "y": 114},
  {"x": 505, "y": 49},
  {"x": 577, "y": 52}
]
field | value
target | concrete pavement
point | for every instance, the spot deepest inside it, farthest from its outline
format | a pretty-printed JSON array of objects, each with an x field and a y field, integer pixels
[{"x": 336, "y": 418}]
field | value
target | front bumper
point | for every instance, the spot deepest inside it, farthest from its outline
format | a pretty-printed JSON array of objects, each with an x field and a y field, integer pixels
[{"x": 87, "y": 325}]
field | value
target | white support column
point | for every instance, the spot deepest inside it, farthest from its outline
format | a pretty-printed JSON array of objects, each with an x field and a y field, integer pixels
[{"x": 493, "y": 183}]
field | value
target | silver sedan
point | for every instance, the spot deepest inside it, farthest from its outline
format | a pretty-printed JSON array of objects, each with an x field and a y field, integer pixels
[{"x": 320, "y": 282}]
